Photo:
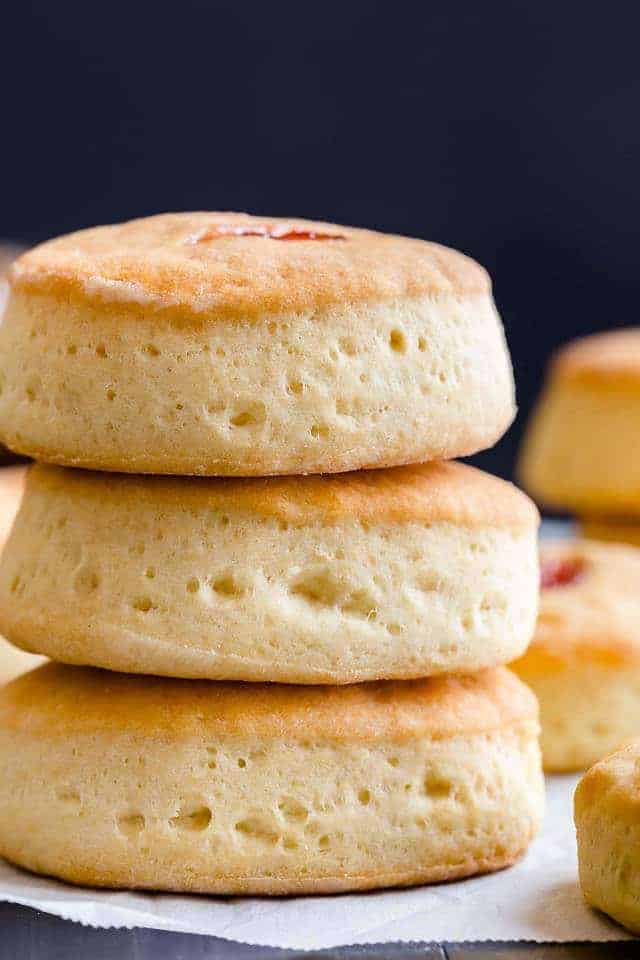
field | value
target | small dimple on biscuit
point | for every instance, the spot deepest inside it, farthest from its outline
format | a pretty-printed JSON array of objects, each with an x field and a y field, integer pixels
[
  {"x": 437, "y": 786},
  {"x": 191, "y": 818},
  {"x": 398, "y": 341},
  {"x": 258, "y": 829},
  {"x": 68, "y": 795},
  {"x": 252, "y": 416},
  {"x": 131, "y": 824},
  {"x": 292, "y": 810},
  {"x": 143, "y": 604},
  {"x": 321, "y": 588},
  {"x": 86, "y": 580},
  {"x": 228, "y": 586}
]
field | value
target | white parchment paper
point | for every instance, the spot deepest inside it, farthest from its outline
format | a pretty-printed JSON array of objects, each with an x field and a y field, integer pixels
[{"x": 538, "y": 899}]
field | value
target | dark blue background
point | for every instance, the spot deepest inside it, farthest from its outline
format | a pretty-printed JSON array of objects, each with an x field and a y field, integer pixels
[{"x": 508, "y": 129}]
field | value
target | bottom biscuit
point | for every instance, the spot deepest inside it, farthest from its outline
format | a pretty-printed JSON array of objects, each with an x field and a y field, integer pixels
[{"x": 120, "y": 781}]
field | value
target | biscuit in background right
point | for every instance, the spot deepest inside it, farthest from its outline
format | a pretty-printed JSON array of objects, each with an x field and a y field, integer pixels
[
  {"x": 581, "y": 452},
  {"x": 607, "y": 819},
  {"x": 584, "y": 661}
]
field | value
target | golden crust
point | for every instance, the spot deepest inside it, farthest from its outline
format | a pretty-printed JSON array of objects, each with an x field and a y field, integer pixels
[
  {"x": 613, "y": 781},
  {"x": 611, "y": 358},
  {"x": 592, "y": 621},
  {"x": 84, "y": 875},
  {"x": 180, "y": 262},
  {"x": 66, "y": 700},
  {"x": 427, "y": 493}
]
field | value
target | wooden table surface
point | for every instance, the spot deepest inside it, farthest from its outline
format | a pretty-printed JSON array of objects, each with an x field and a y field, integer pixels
[{"x": 27, "y": 934}]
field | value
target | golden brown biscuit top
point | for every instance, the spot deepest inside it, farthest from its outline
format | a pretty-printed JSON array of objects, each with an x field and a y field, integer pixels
[
  {"x": 427, "y": 493},
  {"x": 60, "y": 700},
  {"x": 613, "y": 782},
  {"x": 589, "y": 607},
  {"x": 613, "y": 357},
  {"x": 237, "y": 265}
]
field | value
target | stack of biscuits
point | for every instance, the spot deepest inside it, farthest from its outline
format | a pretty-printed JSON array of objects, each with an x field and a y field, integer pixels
[{"x": 279, "y": 615}]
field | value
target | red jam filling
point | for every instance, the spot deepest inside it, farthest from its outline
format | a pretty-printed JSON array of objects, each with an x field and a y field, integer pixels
[
  {"x": 271, "y": 232},
  {"x": 562, "y": 572}
]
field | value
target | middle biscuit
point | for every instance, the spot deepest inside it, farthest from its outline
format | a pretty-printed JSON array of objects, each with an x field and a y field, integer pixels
[{"x": 399, "y": 573}]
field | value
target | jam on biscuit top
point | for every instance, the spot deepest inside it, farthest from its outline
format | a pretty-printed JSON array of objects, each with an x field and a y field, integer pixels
[
  {"x": 268, "y": 231},
  {"x": 561, "y": 572}
]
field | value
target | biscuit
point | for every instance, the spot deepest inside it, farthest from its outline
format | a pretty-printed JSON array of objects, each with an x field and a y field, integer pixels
[
  {"x": 219, "y": 343},
  {"x": 581, "y": 450},
  {"x": 121, "y": 781},
  {"x": 584, "y": 661},
  {"x": 607, "y": 816},
  {"x": 617, "y": 529},
  {"x": 397, "y": 573}
]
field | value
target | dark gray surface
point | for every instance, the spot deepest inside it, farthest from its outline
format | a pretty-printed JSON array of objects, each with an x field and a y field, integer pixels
[{"x": 31, "y": 935}]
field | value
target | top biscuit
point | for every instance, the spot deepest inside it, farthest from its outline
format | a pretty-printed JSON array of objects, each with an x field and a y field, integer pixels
[
  {"x": 220, "y": 343},
  {"x": 234, "y": 265}
]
